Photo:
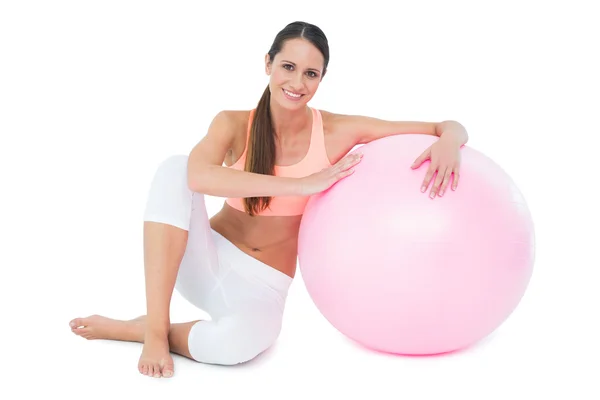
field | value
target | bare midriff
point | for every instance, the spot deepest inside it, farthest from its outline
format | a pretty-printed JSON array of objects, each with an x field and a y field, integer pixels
[{"x": 272, "y": 240}]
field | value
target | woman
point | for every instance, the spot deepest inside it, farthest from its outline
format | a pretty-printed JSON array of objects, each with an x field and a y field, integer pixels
[{"x": 239, "y": 264}]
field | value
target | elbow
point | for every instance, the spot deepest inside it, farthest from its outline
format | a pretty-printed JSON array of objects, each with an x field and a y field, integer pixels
[
  {"x": 191, "y": 183},
  {"x": 202, "y": 180},
  {"x": 196, "y": 180}
]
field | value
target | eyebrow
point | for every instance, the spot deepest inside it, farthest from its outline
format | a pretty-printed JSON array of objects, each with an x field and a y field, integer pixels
[{"x": 294, "y": 64}]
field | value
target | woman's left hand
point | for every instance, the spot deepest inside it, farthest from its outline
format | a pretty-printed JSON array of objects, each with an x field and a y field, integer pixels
[{"x": 445, "y": 160}]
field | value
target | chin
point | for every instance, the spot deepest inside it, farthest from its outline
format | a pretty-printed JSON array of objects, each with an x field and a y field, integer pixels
[{"x": 292, "y": 107}]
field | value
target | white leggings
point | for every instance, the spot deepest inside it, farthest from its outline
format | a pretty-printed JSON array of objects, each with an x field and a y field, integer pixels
[{"x": 244, "y": 297}]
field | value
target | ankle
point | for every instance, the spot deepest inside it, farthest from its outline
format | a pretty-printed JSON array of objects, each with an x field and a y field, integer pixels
[
  {"x": 157, "y": 326},
  {"x": 154, "y": 334}
]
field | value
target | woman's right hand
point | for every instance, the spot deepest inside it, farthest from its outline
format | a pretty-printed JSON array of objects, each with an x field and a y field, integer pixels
[{"x": 324, "y": 179}]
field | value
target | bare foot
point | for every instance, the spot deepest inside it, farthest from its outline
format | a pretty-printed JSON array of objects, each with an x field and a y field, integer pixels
[
  {"x": 156, "y": 358},
  {"x": 99, "y": 327}
]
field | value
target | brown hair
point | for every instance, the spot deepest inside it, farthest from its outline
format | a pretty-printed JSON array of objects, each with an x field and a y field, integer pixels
[{"x": 261, "y": 145}]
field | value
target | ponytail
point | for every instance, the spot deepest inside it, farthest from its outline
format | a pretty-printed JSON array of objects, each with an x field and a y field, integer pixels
[{"x": 260, "y": 155}]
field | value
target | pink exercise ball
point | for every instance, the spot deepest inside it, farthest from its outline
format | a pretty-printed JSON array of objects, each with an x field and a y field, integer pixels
[{"x": 399, "y": 272}]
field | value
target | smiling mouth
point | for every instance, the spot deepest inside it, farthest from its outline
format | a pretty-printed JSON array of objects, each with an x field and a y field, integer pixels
[{"x": 292, "y": 95}]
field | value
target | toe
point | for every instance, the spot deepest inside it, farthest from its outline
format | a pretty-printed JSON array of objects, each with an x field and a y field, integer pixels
[
  {"x": 87, "y": 333},
  {"x": 167, "y": 371},
  {"x": 83, "y": 332},
  {"x": 145, "y": 369},
  {"x": 156, "y": 369},
  {"x": 75, "y": 323},
  {"x": 77, "y": 331}
]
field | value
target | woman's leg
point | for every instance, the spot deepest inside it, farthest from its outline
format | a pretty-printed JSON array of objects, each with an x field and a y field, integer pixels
[
  {"x": 166, "y": 223},
  {"x": 244, "y": 297},
  {"x": 246, "y": 303},
  {"x": 134, "y": 330}
]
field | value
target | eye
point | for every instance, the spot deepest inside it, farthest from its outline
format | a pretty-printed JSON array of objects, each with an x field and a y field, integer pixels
[
  {"x": 312, "y": 74},
  {"x": 289, "y": 67}
]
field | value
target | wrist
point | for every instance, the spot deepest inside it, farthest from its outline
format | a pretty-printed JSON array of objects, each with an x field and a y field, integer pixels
[
  {"x": 451, "y": 137},
  {"x": 452, "y": 132},
  {"x": 297, "y": 186}
]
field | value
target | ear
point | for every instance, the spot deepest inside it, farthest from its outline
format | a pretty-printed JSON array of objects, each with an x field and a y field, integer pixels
[{"x": 267, "y": 64}]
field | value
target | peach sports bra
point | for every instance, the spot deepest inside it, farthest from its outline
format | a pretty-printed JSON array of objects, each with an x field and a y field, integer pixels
[{"x": 314, "y": 161}]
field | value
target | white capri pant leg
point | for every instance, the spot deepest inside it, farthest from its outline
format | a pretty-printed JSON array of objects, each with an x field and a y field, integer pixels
[{"x": 244, "y": 297}]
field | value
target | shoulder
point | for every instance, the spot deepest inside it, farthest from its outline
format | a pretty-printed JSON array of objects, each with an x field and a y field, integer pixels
[
  {"x": 227, "y": 128},
  {"x": 232, "y": 118},
  {"x": 339, "y": 134},
  {"x": 336, "y": 121},
  {"x": 225, "y": 134},
  {"x": 335, "y": 124},
  {"x": 332, "y": 121},
  {"x": 231, "y": 124},
  {"x": 330, "y": 117}
]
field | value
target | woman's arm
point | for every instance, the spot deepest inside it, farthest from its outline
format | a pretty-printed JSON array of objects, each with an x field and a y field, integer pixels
[
  {"x": 361, "y": 129},
  {"x": 206, "y": 173}
]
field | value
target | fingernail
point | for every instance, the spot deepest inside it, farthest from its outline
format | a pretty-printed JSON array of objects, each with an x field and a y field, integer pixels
[
  {"x": 432, "y": 195},
  {"x": 423, "y": 189},
  {"x": 441, "y": 193}
]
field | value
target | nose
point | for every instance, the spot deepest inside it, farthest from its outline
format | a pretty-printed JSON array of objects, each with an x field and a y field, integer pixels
[{"x": 297, "y": 82}]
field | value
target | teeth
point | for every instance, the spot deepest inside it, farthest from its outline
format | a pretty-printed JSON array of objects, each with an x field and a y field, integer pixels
[{"x": 291, "y": 94}]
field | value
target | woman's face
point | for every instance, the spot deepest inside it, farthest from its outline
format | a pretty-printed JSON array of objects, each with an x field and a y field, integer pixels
[{"x": 295, "y": 73}]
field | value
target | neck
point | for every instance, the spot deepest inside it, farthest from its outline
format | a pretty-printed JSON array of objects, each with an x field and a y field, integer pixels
[{"x": 288, "y": 123}]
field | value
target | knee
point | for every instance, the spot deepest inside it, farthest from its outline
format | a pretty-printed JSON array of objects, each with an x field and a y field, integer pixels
[
  {"x": 169, "y": 200},
  {"x": 247, "y": 338},
  {"x": 172, "y": 170},
  {"x": 236, "y": 340},
  {"x": 175, "y": 164}
]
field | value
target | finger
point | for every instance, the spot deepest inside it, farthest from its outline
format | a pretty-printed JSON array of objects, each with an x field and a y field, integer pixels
[
  {"x": 428, "y": 177},
  {"x": 345, "y": 159},
  {"x": 438, "y": 181},
  {"x": 446, "y": 181},
  {"x": 355, "y": 160},
  {"x": 338, "y": 166},
  {"x": 351, "y": 161},
  {"x": 421, "y": 159},
  {"x": 343, "y": 174},
  {"x": 455, "y": 179}
]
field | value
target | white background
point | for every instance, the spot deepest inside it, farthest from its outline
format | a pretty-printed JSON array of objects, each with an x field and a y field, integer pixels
[{"x": 93, "y": 95}]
